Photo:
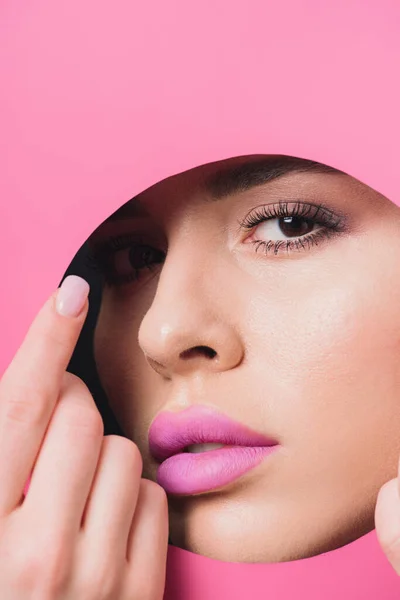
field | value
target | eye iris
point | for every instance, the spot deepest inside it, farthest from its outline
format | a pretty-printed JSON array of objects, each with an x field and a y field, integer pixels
[
  {"x": 140, "y": 256},
  {"x": 295, "y": 226}
]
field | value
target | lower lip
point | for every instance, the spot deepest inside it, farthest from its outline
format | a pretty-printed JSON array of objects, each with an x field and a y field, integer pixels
[{"x": 194, "y": 473}]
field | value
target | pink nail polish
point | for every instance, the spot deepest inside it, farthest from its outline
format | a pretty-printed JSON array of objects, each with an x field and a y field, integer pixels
[{"x": 72, "y": 296}]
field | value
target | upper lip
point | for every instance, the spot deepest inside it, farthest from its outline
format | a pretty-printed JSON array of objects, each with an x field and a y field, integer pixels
[{"x": 172, "y": 432}]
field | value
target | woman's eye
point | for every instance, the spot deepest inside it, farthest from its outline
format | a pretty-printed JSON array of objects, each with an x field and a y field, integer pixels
[
  {"x": 283, "y": 228},
  {"x": 291, "y": 226},
  {"x": 128, "y": 262}
]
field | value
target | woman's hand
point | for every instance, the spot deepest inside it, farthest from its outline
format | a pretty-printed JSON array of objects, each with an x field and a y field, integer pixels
[
  {"x": 387, "y": 521},
  {"x": 89, "y": 527}
]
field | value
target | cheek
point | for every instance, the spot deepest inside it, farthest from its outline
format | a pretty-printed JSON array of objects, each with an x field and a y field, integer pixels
[
  {"x": 326, "y": 353},
  {"x": 121, "y": 365},
  {"x": 329, "y": 347},
  {"x": 115, "y": 338}
]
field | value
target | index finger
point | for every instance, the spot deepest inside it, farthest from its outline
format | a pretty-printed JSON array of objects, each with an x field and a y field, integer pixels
[{"x": 31, "y": 384}]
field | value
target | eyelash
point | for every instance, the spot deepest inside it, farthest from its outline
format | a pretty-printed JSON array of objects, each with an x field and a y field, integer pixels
[
  {"x": 317, "y": 214},
  {"x": 98, "y": 258}
]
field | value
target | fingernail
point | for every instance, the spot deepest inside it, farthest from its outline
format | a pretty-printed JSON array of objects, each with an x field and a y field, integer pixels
[{"x": 71, "y": 297}]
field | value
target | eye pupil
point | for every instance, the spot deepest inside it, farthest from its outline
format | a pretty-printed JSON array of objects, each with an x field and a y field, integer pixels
[
  {"x": 295, "y": 226},
  {"x": 141, "y": 255}
]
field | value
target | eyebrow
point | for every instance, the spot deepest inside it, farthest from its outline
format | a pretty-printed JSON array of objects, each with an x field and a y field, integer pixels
[
  {"x": 240, "y": 178},
  {"x": 235, "y": 179}
]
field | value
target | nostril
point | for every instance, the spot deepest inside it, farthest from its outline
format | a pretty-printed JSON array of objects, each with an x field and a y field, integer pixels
[
  {"x": 198, "y": 351},
  {"x": 157, "y": 366}
]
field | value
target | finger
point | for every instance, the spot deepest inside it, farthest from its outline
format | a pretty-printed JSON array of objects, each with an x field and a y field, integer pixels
[
  {"x": 387, "y": 522},
  {"x": 30, "y": 387},
  {"x": 111, "y": 505},
  {"x": 66, "y": 465},
  {"x": 148, "y": 543}
]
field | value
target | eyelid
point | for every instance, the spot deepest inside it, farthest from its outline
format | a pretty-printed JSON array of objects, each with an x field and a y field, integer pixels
[
  {"x": 120, "y": 241},
  {"x": 105, "y": 250},
  {"x": 331, "y": 224},
  {"x": 307, "y": 210},
  {"x": 319, "y": 213}
]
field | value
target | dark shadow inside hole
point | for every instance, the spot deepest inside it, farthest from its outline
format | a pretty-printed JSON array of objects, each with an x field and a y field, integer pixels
[{"x": 82, "y": 363}]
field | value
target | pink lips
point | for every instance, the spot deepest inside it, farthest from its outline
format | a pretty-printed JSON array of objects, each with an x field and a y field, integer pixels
[{"x": 187, "y": 473}]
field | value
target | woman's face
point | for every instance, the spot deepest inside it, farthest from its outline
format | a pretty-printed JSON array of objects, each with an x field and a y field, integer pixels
[{"x": 264, "y": 291}]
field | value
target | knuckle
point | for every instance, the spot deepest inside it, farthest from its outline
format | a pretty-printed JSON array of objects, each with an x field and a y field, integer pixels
[
  {"x": 28, "y": 406},
  {"x": 74, "y": 383},
  {"x": 27, "y": 571},
  {"x": 20, "y": 567},
  {"x": 101, "y": 582},
  {"x": 55, "y": 582},
  {"x": 42, "y": 567},
  {"x": 126, "y": 447},
  {"x": 85, "y": 421},
  {"x": 145, "y": 588},
  {"x": 154, "y": 493},
  {"x": 55, "y": 565},
  {"x": 78, "y": 409}
]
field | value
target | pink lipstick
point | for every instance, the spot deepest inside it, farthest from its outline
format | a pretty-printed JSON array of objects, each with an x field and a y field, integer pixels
[{"x": 180, "y": 442}]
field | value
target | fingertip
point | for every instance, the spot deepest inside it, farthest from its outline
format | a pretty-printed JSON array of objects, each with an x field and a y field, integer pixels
[
  {"x": 71, "y": 298},
  {"x": 387, "y": 521}
]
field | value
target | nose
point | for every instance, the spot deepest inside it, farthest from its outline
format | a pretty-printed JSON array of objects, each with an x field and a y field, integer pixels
[{"x": 189, "y": 326}]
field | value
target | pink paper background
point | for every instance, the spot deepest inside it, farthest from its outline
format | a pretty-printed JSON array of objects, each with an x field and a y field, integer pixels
[{"x": 102, "y": 99}]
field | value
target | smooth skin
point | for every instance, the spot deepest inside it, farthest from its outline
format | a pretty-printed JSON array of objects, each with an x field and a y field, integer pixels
[
  {"x": 305, "y": 345},
  {"x": 89, "y": 527}
]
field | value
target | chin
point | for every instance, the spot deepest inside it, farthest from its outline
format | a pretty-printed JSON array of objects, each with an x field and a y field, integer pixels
[
  {"x": 228, "y": 551},
  {"x": 211, "y": 528}
]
